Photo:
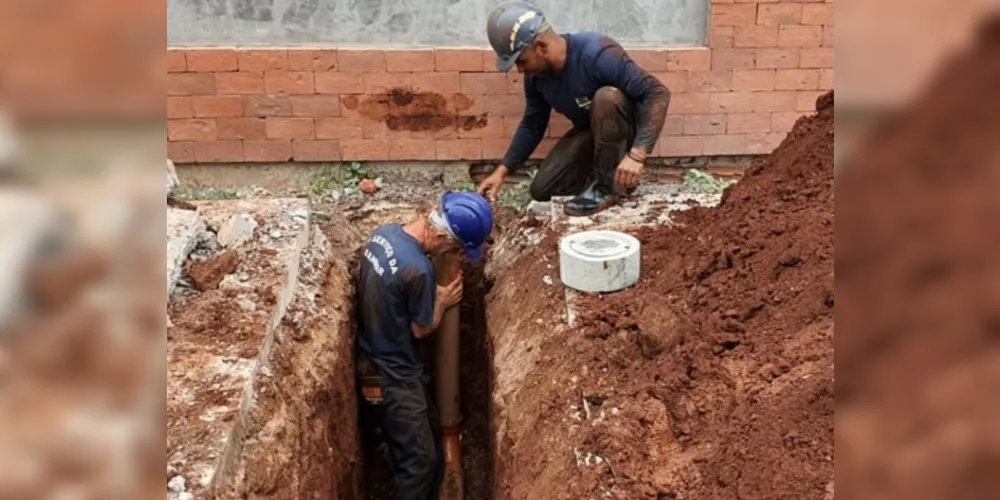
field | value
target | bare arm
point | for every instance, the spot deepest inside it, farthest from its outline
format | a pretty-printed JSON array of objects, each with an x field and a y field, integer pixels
[
  {"x": 423, "y": 331},
  {"x": 445, "y": 297}
]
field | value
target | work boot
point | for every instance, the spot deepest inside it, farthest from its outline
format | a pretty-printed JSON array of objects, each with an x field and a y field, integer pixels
[{"x": 600, "y": 193}]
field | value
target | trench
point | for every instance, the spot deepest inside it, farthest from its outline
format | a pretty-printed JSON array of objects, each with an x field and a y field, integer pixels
[
  {"x": 301, "y": 429},
  {"x": 476, "y": 377}
]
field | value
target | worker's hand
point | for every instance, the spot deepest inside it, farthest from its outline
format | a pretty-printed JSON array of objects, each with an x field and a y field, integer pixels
[
  {"x": 451, "y": 293},
  {"x": 490, "y": 187},
  {"x": 629, "y": 172}
]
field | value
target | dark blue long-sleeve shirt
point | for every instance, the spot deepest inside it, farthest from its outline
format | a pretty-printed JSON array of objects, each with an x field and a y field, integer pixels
[{"x": 593, "y": 60}]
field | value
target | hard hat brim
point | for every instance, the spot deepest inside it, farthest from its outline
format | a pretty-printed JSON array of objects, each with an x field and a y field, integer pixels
[
  {"x": 474, "y": 254},
  {"x": 505, "y": 63}
]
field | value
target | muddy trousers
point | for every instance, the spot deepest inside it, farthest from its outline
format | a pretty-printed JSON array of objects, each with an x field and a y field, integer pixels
[
  {"x": 583, "y": 155},
  {"x": 408, "y": 418}
]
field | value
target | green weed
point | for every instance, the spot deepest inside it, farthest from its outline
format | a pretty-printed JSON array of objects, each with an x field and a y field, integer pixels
[
  {"x": 208, "y": 193},
  {"x": 702, "y": 182}
]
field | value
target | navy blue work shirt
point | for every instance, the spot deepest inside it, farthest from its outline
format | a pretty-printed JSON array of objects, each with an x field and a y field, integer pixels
[
  {"x": 397, "y": 287},
  {"x": 593, "y": 60}
]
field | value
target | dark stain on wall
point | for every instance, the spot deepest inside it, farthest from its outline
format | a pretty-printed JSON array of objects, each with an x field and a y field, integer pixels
[{"x": 401, "y": 109}]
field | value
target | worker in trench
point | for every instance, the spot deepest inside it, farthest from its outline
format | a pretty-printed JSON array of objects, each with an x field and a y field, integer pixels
[
  {"x": 400, "y": 304},
  {"x": 617, "y": 109}
]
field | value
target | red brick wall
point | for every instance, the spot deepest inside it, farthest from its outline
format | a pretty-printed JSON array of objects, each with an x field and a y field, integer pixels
[{"x": 765, "y": 64}]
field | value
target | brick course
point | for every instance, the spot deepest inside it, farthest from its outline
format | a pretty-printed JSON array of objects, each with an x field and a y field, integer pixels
[{"x": 764, "y": 65}]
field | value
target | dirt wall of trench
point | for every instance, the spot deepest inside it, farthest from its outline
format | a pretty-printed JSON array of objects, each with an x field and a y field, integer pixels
[
  {"x": 296, "y": 433},
  {"x": 710, "y": 378}
]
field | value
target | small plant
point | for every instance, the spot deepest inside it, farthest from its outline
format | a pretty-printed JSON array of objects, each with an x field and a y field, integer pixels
[
  {"x": 345, "y": 175},
  {"x": 208, "y": 193},
  {"x": 463, "y": 186},
  {"x": 323, "y": 181},
  {"x": 519, "y": 196},
  {"x": 516, "y": 197},
  {"x": 353, "y": 173},
  {"x": 702, "y": 182}
]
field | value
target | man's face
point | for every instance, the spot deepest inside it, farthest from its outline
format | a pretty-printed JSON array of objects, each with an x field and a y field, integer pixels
[
  {"x": 444, "y": 245},
  {"x": 533, "y": 60}
]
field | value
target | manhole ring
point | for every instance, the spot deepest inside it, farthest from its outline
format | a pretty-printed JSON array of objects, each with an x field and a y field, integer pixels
[{"x": 599, "y": 261}]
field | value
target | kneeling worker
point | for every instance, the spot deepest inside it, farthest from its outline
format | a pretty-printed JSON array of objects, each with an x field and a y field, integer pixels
[
  {"x": 399, "y": 306},
  {"x": 617, "y": 108}
]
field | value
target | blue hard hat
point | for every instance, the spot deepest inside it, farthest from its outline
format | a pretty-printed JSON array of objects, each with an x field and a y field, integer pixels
[
  {"x": 511, "y": 27},
  {"x": 470, "y": 219}
]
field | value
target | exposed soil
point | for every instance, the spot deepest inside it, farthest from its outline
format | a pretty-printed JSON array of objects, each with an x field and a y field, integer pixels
[
  {"x": 212, "y": 346},
  {"x": 712, "y": 377},
  {"x": 917, "y": 270},
  {"x": 301, "y": 433},
  {"x": 298, "y": 433},
  {"x": 207, "y": 274}
]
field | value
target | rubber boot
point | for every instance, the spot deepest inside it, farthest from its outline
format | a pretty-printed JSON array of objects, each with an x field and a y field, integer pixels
[{"x": 600, "y": 193}]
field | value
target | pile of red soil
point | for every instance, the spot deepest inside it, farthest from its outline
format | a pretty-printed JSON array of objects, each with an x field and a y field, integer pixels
[
  {"x": 918, "y": 261},
  {"x": 730, "y": 332}
]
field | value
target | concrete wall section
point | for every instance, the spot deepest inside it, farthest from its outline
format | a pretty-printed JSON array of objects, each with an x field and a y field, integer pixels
[{"x": 423, "y": 23}]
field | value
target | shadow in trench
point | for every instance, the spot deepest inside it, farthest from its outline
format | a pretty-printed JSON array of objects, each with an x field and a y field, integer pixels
[{"x": 476, "y": 387}]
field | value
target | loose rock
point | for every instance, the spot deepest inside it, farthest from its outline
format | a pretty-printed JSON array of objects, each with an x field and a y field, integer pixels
[
  {"x": 177, "y": 484},
  {"x": 237, "y": 230},
  {"x": 367, "y": 186},
  {"x": 208, "y": 274}
]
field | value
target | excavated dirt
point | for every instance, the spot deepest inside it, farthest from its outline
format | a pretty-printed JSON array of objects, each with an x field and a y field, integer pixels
[
  {"x": 261, "y": 395},
  {"x": 207, "y": 274},
  {"x": 711, "y": 378},
  {"x": 917, "y": 266}
]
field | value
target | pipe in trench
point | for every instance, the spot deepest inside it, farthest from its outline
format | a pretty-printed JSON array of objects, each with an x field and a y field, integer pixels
[{"x": 446, "y": 341}]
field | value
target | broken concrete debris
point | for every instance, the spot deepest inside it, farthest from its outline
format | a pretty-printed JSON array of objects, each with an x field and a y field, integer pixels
[
  {"x": 177, "y": 484},
  {"x": 173, "y": 182},
  {"x": 237, "y": 230},
  {"x": 183, "y": 229}
]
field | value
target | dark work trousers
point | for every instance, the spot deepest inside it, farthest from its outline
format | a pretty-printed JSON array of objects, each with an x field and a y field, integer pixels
[
  {"x": 568, "y": 168},
  {"x": 411, "y": 427}
]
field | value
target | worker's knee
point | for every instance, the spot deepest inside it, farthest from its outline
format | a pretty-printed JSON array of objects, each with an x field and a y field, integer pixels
[
  {"x": 609, "y": 103},
  {"x": 609, "y": 115},
  {"x": 540, "y": 190}
]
